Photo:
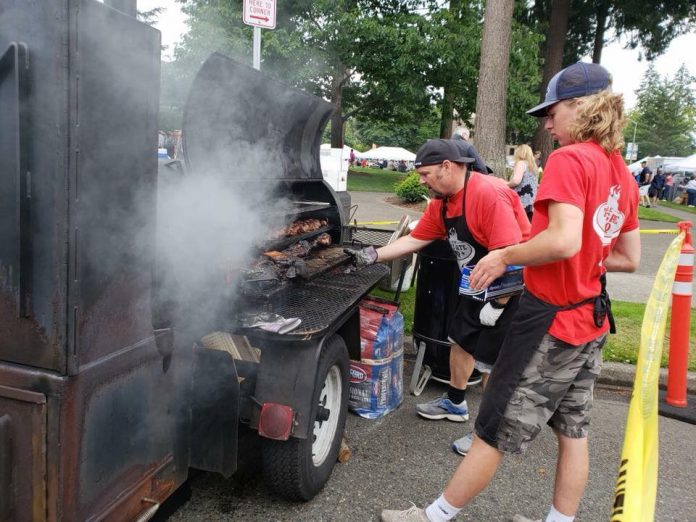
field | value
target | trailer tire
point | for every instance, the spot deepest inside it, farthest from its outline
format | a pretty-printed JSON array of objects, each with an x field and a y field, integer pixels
[{"x": 297, "y": 469}]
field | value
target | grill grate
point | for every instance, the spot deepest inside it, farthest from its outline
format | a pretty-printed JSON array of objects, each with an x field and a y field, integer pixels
[
  {"x": 367, "y": 236},
  {"x": 322, "y": 301}
]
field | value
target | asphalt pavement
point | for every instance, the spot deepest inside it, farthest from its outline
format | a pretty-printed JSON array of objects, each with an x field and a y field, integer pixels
[{"x": 401, "y": 458}]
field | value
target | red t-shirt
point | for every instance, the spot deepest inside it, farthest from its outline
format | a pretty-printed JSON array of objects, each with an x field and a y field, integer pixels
[
  {"x": 600, "y": 185},
  {"x": 492, "y": 210}
]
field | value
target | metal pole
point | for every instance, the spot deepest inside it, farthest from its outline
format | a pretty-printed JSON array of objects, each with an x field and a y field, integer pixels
[{"x": 257, "y": 48}]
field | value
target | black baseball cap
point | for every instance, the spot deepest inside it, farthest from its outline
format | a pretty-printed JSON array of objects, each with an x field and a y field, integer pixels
[
  {"x": 434, "y": 152},
  {"x": 575, "y": 81}
]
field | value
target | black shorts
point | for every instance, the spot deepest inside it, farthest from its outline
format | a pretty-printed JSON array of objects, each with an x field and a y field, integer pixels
[
  {"x": 653, "y": 192},
  {"x": 482, "y": 342}
]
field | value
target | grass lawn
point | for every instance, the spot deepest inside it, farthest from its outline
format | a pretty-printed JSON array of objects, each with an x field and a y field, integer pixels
[
  {"x": 655, "y": 215},
  {"x": 622, "y": 347},
  {"x": 373, "y": 180}
]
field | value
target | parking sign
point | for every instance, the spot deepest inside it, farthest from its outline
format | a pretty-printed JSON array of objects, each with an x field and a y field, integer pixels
[{"x": 260, "y": 13}]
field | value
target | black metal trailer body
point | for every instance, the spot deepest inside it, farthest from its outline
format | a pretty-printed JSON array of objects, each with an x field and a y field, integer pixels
[{"x": 105, "y": 399}]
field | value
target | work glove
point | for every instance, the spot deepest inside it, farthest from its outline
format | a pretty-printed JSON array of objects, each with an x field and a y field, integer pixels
[
  {"x": 362, "y": 256},
  {"x": 490, "y": 313}
]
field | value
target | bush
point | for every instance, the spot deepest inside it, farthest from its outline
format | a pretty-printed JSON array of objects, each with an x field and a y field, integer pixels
[{"x": 410, "y": 189}]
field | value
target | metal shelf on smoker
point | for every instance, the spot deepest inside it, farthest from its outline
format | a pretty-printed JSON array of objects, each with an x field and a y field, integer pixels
[
  {"x": 280, "y": 244},
  {"x": 366, "y": 236},
  {"x": 321, "y": 302}
]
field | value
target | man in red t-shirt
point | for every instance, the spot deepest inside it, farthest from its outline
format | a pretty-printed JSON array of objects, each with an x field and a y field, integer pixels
[
  {"x": 475, "y": 213},
  {"x": 584, "y": 224}
]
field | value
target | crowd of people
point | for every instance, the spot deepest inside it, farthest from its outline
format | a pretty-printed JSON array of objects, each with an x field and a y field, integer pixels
[
  {"x": 540, "y": 351},
  {"x": 663, "y": 186}
]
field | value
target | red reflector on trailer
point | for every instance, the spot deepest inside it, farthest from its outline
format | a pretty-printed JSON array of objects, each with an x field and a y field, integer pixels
[{"x": 276, "y": 421}]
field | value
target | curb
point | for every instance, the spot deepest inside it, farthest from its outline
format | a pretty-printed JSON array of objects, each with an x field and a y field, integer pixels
[{"x": 613, "y": 373}]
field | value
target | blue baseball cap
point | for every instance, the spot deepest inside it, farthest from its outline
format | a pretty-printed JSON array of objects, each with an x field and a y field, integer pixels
[{"x": 575, "y": 81}]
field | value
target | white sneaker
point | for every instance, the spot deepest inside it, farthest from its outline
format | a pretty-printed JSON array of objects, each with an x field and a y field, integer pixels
[{"x": 412, "y": 514}]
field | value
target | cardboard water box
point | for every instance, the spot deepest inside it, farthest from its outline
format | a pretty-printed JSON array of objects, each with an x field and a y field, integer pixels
[{"x": 510, "y": 283}]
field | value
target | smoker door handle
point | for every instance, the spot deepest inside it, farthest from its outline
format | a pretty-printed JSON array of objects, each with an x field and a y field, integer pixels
[{"x": 14, "y": 66}]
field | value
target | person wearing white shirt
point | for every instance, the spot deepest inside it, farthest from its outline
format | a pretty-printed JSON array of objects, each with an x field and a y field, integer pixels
[{"x": 691, "y": 192}]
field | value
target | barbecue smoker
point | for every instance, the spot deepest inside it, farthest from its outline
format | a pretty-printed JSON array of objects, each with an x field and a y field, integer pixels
[{"x": 107, "y": 395}]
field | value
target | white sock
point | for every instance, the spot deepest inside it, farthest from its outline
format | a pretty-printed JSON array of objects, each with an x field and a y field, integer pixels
[
  {"x": 556, "y": 516},
  {"x": 441, "y": 510}
]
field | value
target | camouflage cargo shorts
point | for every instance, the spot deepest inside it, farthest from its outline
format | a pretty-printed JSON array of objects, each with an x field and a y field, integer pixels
[{"x": 555, "y": 388}]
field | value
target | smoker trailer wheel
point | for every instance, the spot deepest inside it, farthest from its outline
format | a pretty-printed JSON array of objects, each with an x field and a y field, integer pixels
[{"x": 297, "y": 469}]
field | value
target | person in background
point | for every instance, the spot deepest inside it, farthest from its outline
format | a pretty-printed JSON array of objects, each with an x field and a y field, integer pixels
[
  {"x": 657, "y": 184},
  {"x": 691, "y": 191},
  {"x": 668, "y": 191},
  {"x": 476, "y": 214},
  {"x": 645, "y": 174},
  {"x": 585, "y": 224},
  {"x": 351, "y": 157},
  {"x": 461, "y": 139},
  {"x": 524, "y": 178},
  {"x": 537, "y": 158}
]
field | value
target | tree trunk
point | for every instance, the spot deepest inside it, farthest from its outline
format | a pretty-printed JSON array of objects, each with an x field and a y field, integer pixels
[
  {"x": 491, "y": 97},
  {"x": 337, "y": 100},
  {"x": 553, "y": 62},
  {"x": 601, "y": 14},
  {"x": 447, "y": 114}
]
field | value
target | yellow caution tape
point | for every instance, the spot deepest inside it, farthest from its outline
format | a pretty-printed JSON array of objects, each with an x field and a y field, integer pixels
[
  {"x": 661, "y": 231},
  {"x": 636, "y": 485}
]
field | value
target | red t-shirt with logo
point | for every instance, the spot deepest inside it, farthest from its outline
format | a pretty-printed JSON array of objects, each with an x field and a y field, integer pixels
[
  {"x": 492, "y": 209},
  {"x": 600, "y": 185}
]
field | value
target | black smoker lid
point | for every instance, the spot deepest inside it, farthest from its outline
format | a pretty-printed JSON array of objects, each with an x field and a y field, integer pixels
[{"x": 234, "y": 112}]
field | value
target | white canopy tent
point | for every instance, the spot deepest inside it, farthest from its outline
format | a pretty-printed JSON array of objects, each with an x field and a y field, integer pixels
[
  {"x": 654, "y": 162},
  {"x": 687, "y": 164},
  {"x": 387, "y": 153}
]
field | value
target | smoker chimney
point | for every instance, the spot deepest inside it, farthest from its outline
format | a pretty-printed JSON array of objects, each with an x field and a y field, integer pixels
[{"x": 129, "y": 7}]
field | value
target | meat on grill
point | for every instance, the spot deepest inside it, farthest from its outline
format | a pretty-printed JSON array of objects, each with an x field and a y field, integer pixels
[
  {"x": 300, "y": 249},
  {"x": 301, "y": 226}
]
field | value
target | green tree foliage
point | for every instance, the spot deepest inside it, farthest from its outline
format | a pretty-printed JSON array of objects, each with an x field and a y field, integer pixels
[
  {"x": 409, "y": 135},
  {"x": 377, "y": 60},
  {"x": 665, "y": 115},
  {"x": 524, "y": 75},
  {"x": 645, "y": 24}
]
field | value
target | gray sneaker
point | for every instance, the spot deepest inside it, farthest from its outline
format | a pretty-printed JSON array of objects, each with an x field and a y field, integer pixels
[
  {"x": 463, "y": 445},
  {"x": 443, "y": 408},
  {"x": 412, "y": 514},
  {"x": 520, "y": 518}
]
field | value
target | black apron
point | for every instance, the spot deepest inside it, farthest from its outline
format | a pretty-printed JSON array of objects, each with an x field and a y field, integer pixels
[
  {"x": 465, "y": 328},
  {"x": 466, "y": 249},
  {"x": 531, "y": 322}
]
